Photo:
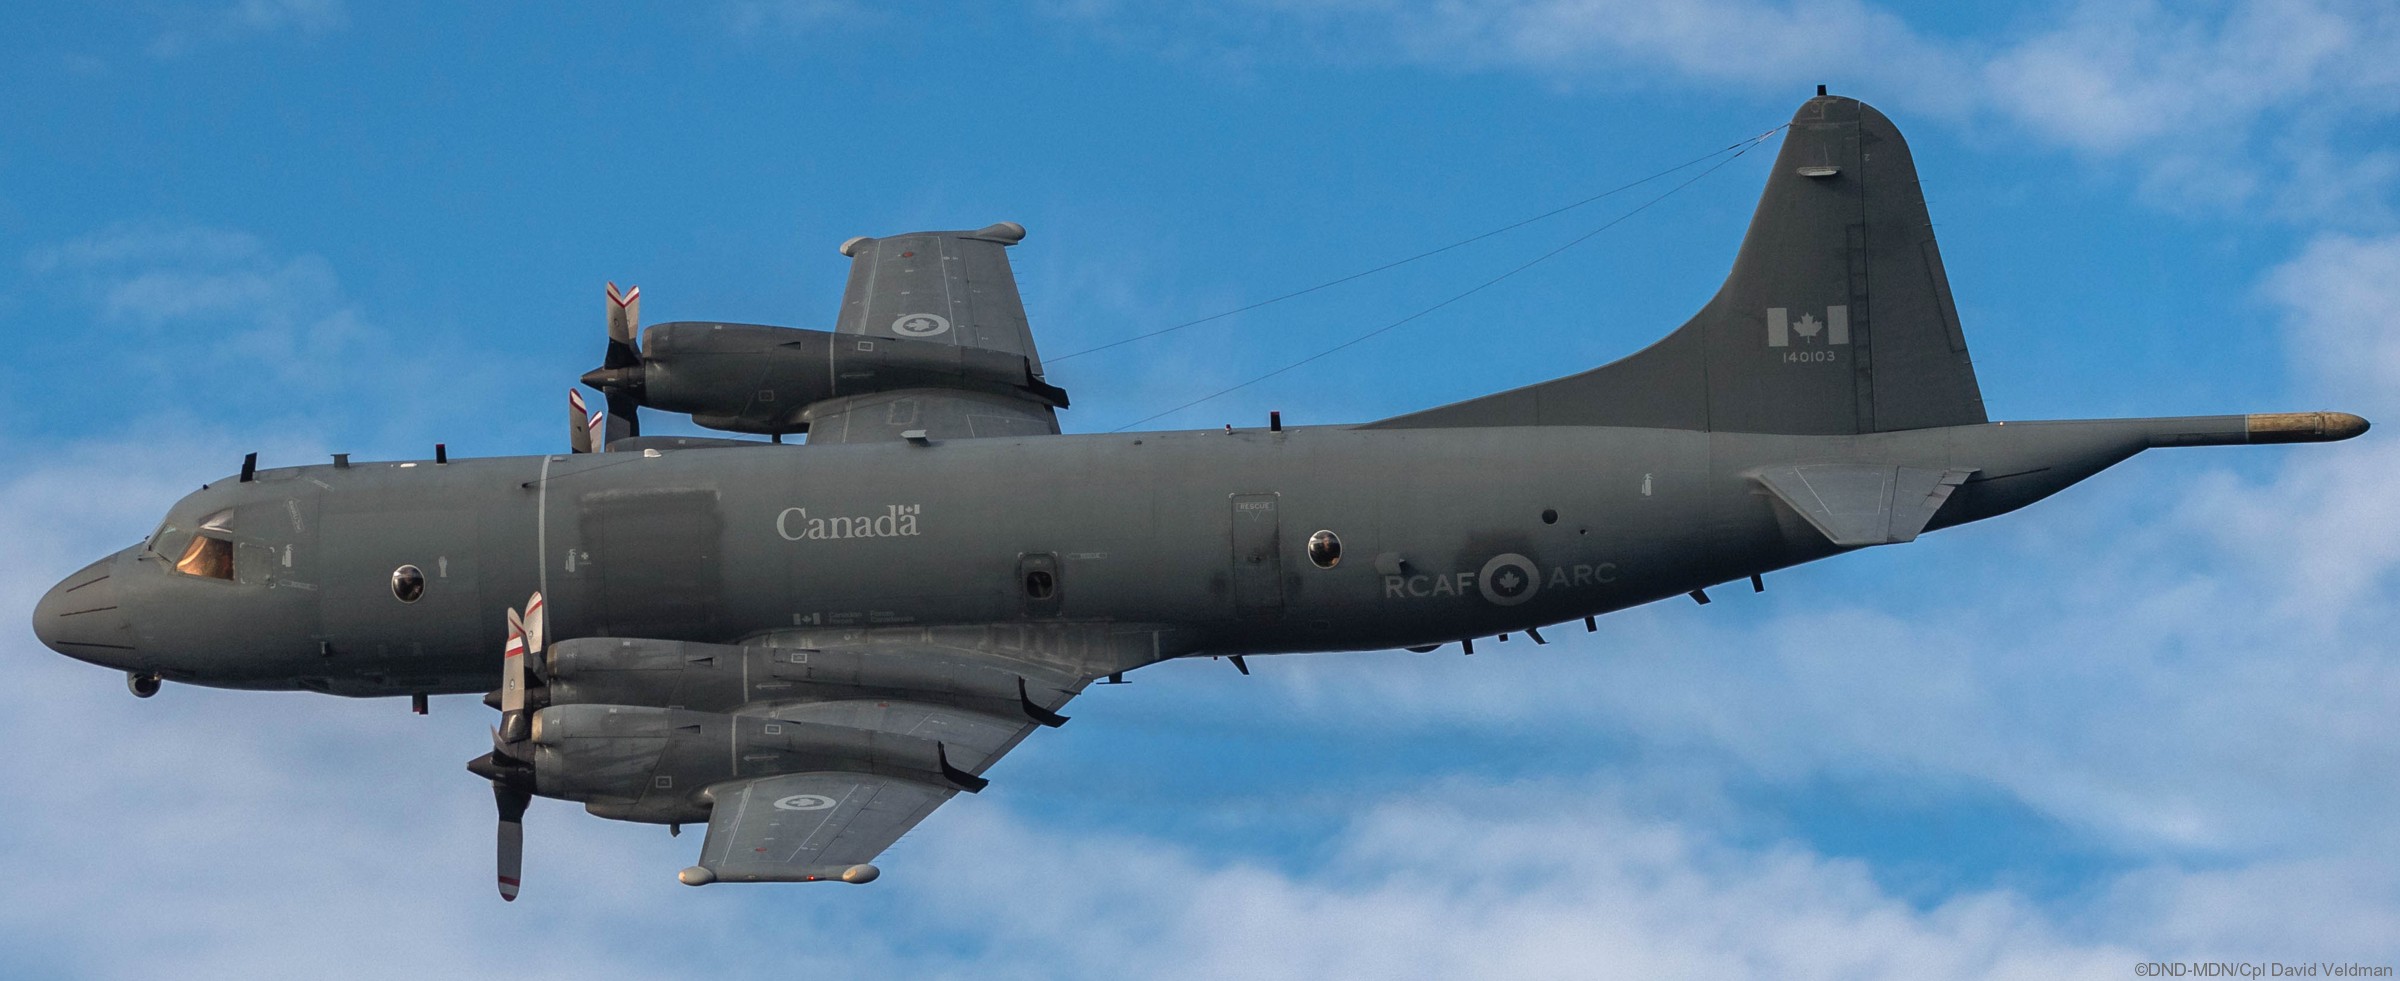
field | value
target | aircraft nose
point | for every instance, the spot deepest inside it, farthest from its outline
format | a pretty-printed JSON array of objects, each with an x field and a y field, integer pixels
[{"x": 80, "y": 617}]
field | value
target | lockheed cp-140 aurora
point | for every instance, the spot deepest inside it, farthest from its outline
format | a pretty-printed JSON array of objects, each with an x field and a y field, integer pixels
[{"x": 810, "y": 647}]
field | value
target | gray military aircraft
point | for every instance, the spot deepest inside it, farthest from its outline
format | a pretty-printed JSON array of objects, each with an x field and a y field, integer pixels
[{"x": 810, "y": 647}]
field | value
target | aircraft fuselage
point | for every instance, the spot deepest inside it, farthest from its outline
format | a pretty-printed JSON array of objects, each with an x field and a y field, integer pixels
[{"x": 1198, "y": 540}]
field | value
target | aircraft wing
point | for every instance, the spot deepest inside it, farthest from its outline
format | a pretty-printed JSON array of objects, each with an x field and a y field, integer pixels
[
  {"x": 947, "y": 287},
  {"x": 804, "y": 827},
  {"x": 953, "y": 288},
  {"x": 823, "y": 824},
  {"x": 811, "y": 756}
]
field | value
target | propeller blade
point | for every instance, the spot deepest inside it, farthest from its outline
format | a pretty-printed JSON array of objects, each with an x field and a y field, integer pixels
[
  {"x": 623, "y": 423},
  {"x": 592, "y": 432},
  {"x": 512, "y": 681},
  {"x": 537, "y": 622},
  {"x": 579, "y": 432},
  {"x": 624, "y": 327},
  {"x": 620, "y": 371},
  {"x": 504, "y": 755},
  {"x": 511, "y": 864}
]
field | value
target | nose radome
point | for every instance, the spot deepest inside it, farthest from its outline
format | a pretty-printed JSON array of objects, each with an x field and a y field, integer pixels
[{"x": 80, "y": 617}]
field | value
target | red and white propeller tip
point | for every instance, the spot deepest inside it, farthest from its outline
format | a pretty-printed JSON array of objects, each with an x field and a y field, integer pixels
[
  {"x": 536, "y": 623},
  {"x": 579, "y": 430},
  {"x": 624, "y": 315},
  {"x": 512, "y": 666}
]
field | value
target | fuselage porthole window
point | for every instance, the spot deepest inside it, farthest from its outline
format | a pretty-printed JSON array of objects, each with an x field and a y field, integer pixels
[
  {"x": 408, "y": 583},
  {"x": 1325, "y": 549}
]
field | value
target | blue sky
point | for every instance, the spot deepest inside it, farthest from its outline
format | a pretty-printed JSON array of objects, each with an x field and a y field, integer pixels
[{"x": 2148, "y": 720}]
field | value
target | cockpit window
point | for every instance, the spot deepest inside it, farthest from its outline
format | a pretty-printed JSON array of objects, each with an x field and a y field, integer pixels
[
  {"x": 207, "y": 557},
  {"x": 163, "y": 539},
  {"x": 168, "y": 541}
]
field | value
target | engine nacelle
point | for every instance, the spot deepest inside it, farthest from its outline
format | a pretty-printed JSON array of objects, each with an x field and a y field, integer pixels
[
  {"x": 756, "y": 378},
  {"x": 639, "y": 763},
  {"x": 602, "y": 752},
  {"x": 722, "y": 677}
]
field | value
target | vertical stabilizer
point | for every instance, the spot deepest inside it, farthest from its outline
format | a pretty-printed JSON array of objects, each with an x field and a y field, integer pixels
[{"x": 1835, "y": 320}]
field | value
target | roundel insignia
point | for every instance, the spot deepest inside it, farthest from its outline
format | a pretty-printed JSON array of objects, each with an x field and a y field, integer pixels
[
  {"x": 920, "y": 324},
  {"x": 1509, "y": 579},
  {"x": 803, "y": 802}
]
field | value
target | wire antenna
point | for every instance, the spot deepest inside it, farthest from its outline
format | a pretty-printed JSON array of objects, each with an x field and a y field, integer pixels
[{"x": 1738, "y": 149}]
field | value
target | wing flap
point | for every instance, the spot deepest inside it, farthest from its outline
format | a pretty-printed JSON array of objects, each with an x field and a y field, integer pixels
[
  {"x": 936, "y": 413},
  {"x": 973, "y": 740}
]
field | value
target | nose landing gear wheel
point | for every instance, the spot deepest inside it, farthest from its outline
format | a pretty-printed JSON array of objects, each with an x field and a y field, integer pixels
[{"x": 142, "y": 684}]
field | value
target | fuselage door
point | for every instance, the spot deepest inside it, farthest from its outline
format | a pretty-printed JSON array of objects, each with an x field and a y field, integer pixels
[
  {"x": 1257, "y": 555},
  {"x": 653, "y": 556}
]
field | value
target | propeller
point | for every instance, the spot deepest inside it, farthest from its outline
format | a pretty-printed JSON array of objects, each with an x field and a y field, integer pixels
[
  {"x": 509, "y": 766},
  {"x": 619, "y": 376}
]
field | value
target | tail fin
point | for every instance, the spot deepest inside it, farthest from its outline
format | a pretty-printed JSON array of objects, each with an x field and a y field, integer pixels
[{"x": 1836, "y": 319}]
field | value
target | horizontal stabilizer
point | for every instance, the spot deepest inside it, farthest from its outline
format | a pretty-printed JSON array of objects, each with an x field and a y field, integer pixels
[{"x": 1860, "y": 504}]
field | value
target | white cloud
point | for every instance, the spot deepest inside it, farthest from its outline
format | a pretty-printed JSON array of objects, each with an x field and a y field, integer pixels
[
  {"x": 224, "y": 316},
  {"x": 1730, "y": 41},
  {"x": 2340, "y": 296},
  {"x": 189, "y": 290},
  {"x": 246, "y": 19},
  {"x": 2248, "y": 104},
  {"x": 2115, "y": 75},
  {"x": 1477, "y": 880},
  {"x": 796, "y": 17}
]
